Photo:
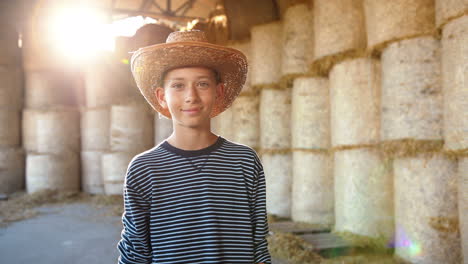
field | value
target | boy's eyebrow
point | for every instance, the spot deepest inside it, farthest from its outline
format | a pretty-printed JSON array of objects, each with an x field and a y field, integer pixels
[{"x": 181, "y": 78}]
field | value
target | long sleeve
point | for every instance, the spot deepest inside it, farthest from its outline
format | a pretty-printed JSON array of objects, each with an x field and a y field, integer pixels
[
  {"x": 260, "y": 222},
  {"x": 134, "y": 246}
]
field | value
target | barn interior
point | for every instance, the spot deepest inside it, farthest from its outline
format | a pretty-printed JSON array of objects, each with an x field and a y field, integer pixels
[{"x": 357, "y": 109}]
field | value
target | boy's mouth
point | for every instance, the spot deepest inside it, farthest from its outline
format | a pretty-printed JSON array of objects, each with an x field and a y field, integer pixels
[{"x": 191, "y": 110}]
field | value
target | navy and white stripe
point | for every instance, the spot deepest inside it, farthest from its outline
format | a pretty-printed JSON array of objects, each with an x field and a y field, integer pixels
[{"x": 195, "y": 206}]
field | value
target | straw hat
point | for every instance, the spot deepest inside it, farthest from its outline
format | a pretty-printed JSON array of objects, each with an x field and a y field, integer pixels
[{"x": 189, "y": 48}]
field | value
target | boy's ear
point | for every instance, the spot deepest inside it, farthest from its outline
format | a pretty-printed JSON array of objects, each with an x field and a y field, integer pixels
[
  {"x": 220, "y": 91},
  {"x": 160, "y": 96}
]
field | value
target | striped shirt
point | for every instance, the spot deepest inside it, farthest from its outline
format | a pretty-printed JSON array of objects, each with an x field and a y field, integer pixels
[{"x": 195, "y": 206}]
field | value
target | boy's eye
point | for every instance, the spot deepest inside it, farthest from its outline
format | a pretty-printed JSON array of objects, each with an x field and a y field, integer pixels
[
  {"x": 177, "y": 85},
  {"x": 203, "y": 84}
]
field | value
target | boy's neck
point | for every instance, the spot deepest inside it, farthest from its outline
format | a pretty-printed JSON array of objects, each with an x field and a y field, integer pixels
[{"x": 191, "y": 139}]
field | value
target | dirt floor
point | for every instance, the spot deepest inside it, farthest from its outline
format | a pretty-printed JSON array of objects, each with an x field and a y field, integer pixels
[{"x": 77, "y": 228}]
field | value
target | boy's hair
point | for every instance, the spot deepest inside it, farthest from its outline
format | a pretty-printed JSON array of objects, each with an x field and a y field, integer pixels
[{"x": 160, "y": 81}]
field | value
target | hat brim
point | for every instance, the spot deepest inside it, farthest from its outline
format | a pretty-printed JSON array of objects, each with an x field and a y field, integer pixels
[{"x": 149, "y": 63}]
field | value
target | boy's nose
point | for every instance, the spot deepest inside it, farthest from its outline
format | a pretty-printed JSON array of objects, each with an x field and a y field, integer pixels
[{"x": 192, "y": 94}]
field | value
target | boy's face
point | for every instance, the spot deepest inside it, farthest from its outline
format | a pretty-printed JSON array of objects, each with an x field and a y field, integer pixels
[{"x": 189, "y": 94}]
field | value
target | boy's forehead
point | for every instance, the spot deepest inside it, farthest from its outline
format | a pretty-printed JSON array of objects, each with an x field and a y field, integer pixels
[{"x": 183, "y": 71}]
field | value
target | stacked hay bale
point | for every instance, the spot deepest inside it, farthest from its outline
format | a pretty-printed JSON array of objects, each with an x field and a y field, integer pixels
[
  {"x": 275, "y": 102},
  {"x": 312, "y": 188},
  {"x": 339, "y": 33},
  {"x": 246, "y": 117},
  {"x": 116, "y": 125},
  {"x": 363, "y": 200},
  {"x": 297, "y": 43},
  {"x": 389, "y": 21},
  {"x": 131, "y": 132},
  {"x": 447, "y": 10},
  {"x": 412, "y": 130},
  {"x": 455, "y": 127},
  {"x": 223, "y": 124},
  {"x": 51, "y": 125},
  {"x": 11, "y": 154},
  {"x": 162, "y": 128}
]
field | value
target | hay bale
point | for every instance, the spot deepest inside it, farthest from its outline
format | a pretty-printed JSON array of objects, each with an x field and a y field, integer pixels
[
  {"x": 114, "y": 168},
  {"x": 245, "y": 47},
  {"x": 50, "y": 88},
  {"x": 95, "y": 127},
  {"x": 310, "y": 125},
  {"x": 11, "y": 88},
  {"x": 131, "y": 127},
  {"x": 91, "y": 174},
  {"x": 463, "y": 204},
  {"x": 52, "y": 172},
  {"x": 246, "y": 120},
  {"x": 266, "y": 54},
  {"x": 10, "y": 132},
  {"x": 278, "y": 177},
  {"x": 9, "y": 51},
  {"x": 53, "y": 130},
  {"x": 275, "y": 112},
  {"x": 454, "y": 76},
  {"x": 426, "y": 213},
  {"x": 162, "y": 128},
  {"x": 312, "y": 193},
  {"x": 363, "y": 193},
  {"x": 355, "y": 102},
  {"x": 222, "y": 124},
  {"x": 338, "y": 26},
  {"x": 11, "y": 170},
  {"x": 446, "y": 10},
  {"x": 297, "y": 41},
  {"x": 411, "y": 90},
  {"x": 109, "y": 81},
  {"x": 389, "y": 21}
]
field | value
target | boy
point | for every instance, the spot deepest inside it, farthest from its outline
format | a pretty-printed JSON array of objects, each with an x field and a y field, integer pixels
[{"x": 196, "y": 197}]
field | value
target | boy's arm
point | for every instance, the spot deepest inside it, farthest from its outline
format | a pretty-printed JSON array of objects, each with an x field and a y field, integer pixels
[
  {"x": 260, "y": 223},
  {"x": 134, "y": 245}
]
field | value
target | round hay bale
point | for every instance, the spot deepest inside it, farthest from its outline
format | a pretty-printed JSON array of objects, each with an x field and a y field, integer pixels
[
  {"x": 310, "y": 125},
  {"x": 275, "y": 113},
  {"x": 95, "y": 127},
  {"x": 312, "y": 193},
  {"x": 412, "y": 90},
  {"x": 162, "y": 128},
  {"x": 10, "y": 132},
  {"x": 223, "y": 125},
  {"x": 109, "y": 81},
  {"x": 11, "y": 88},
  {"x": 11, "y": 170},
  {"x": 9, "y": 51},
  {"x": 363, "y": 193},
  {"x": 463, "y": 204},
  {"x": 297, "y": 41},
  {"x": 131, "y": 127},
  {"x": 426, "y": 214},
  {"x": 446, "y": 10},
  {"x": 266, "y": 54},
  {"x": 245, "y": 47},
  {"x": 338, "y": 26},
  {"x": 454, "y": 78},
  {"x": 50, "y": 88},
  {"x": 53, "y": 130},
  {"x": 52, "y": 172},
  {"x": 278, "y": 178},
  {"x": 246, "y": 121},
  {"x": 91, "y": 174},
  {"x": 114, "y": 168},
  {"x": 388, "y": 21},
  {"x": 355, "y": 102}
]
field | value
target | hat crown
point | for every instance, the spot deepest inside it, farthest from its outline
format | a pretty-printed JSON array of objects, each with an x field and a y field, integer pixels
[{"x": 192, "y": 35}]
